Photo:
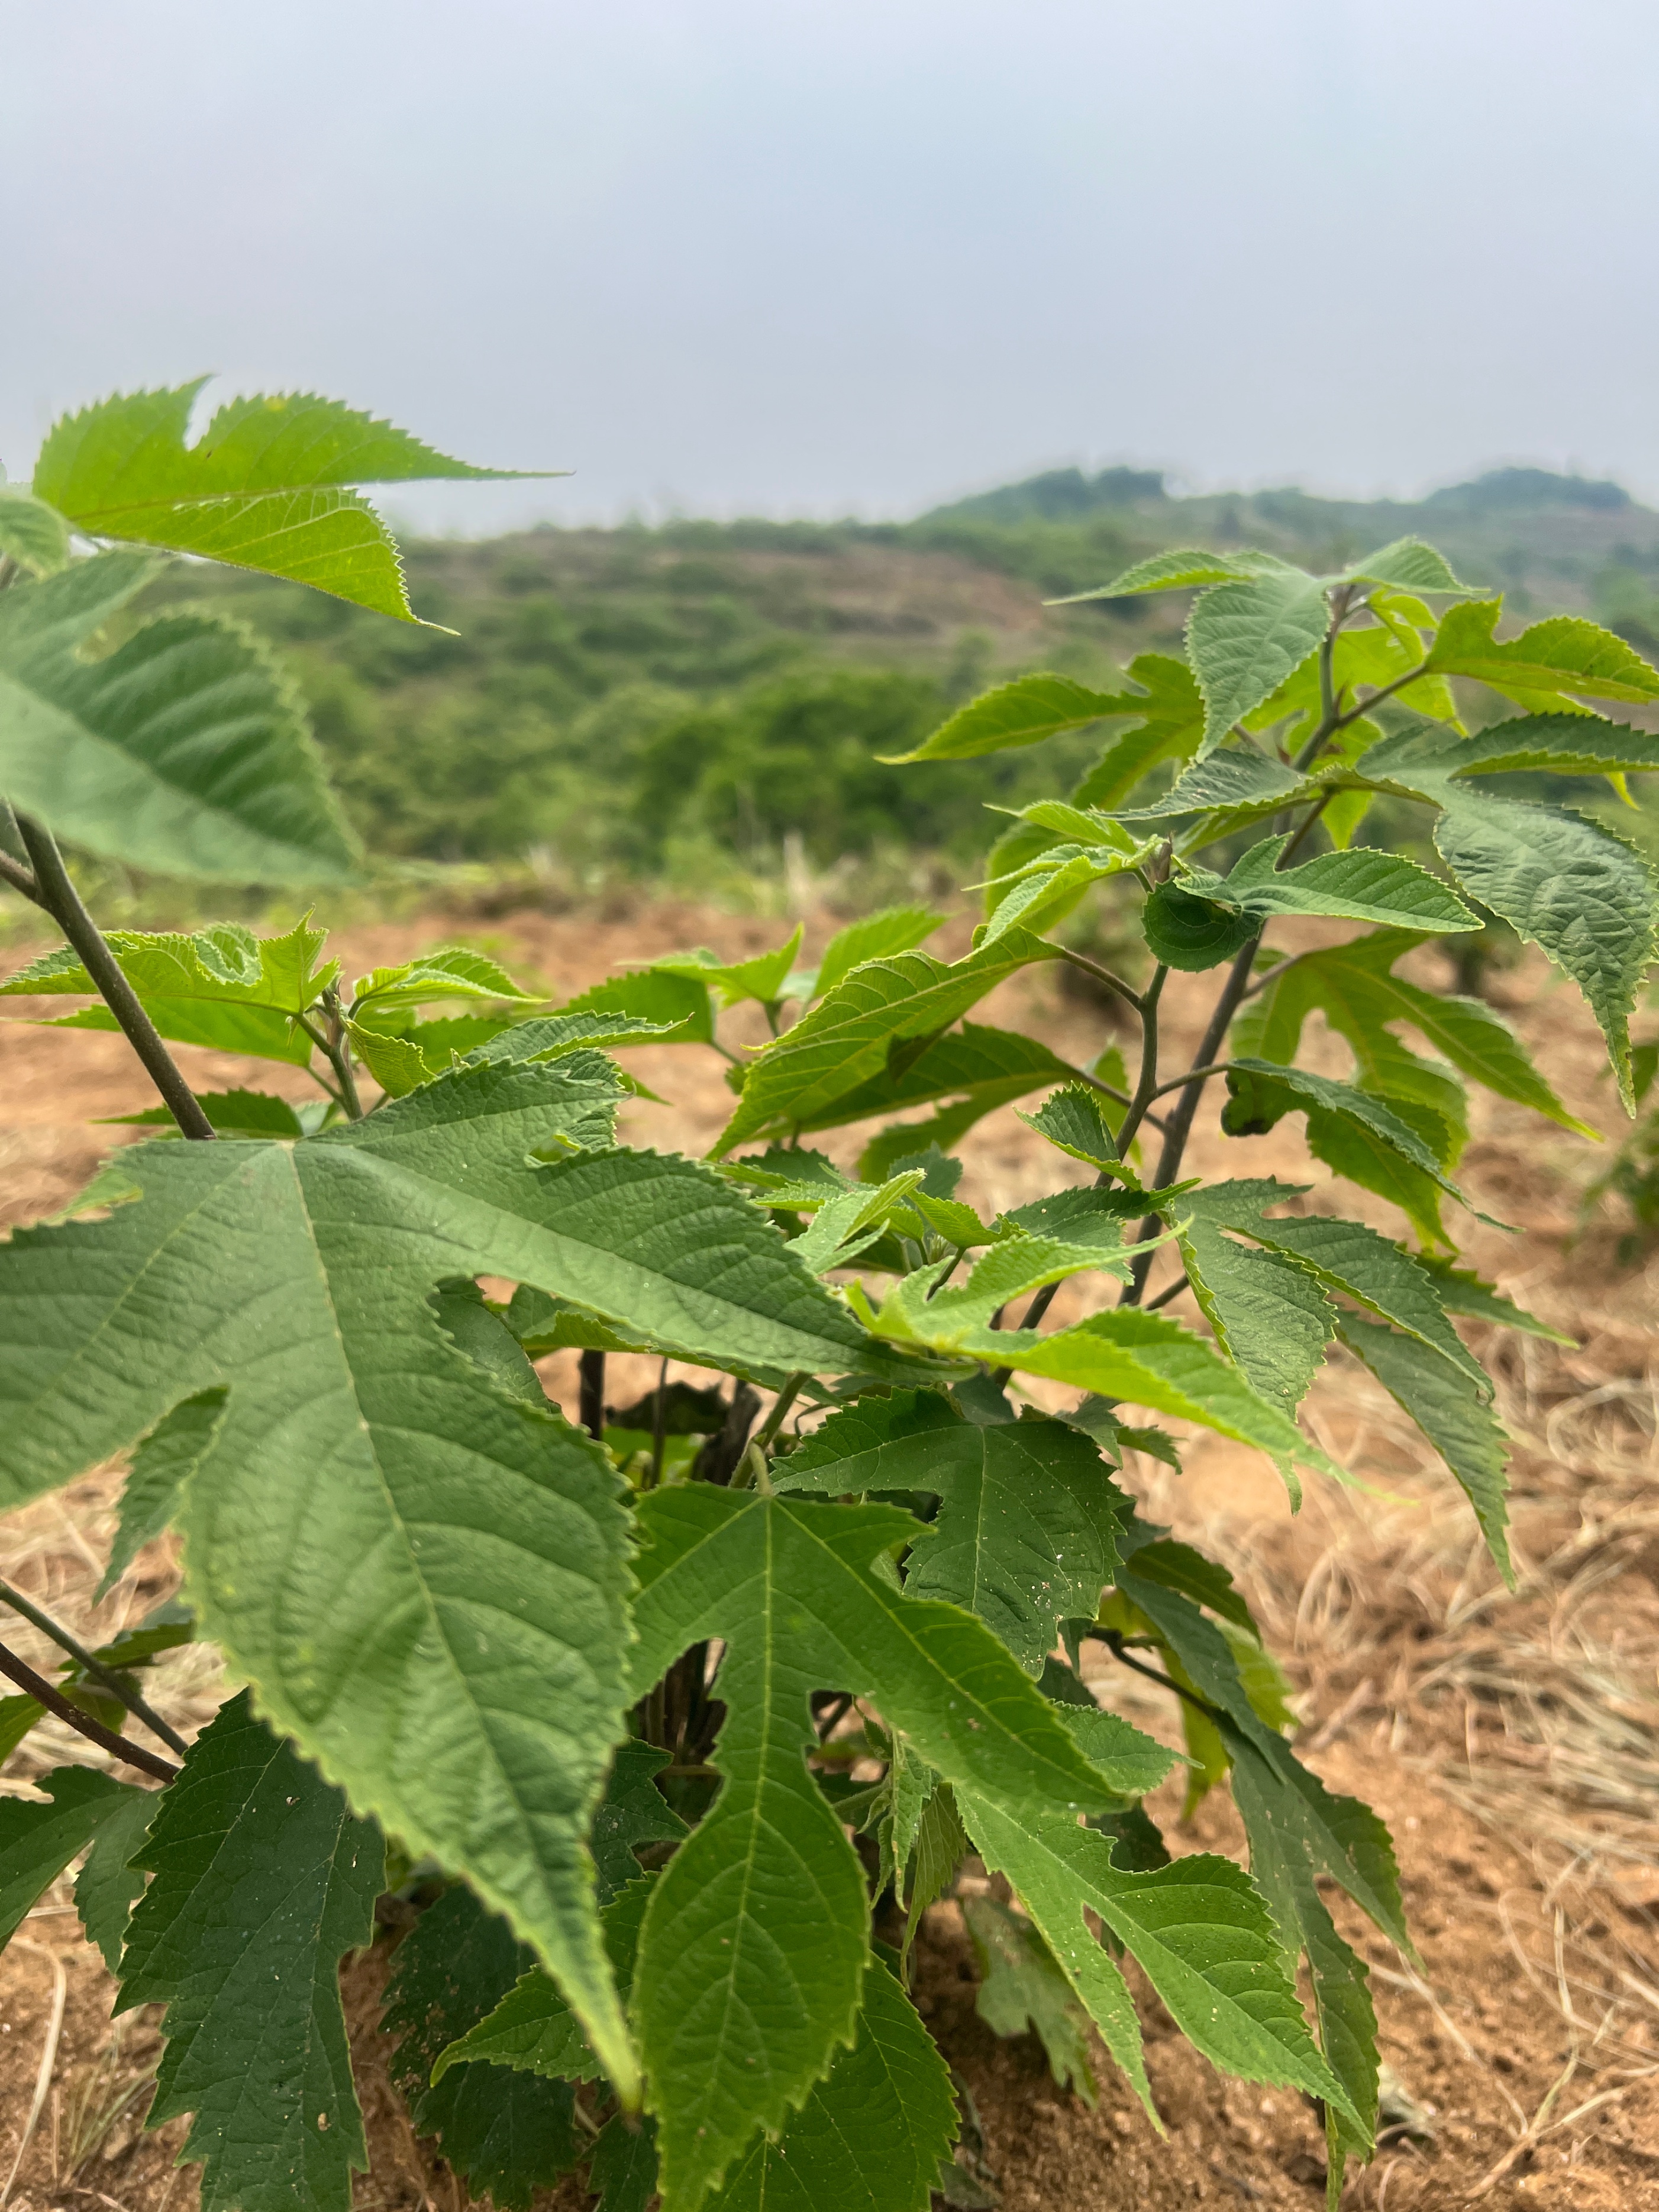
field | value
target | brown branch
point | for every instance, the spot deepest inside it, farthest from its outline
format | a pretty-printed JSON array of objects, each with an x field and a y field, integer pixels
[
  {"x": 63, "y": 902},
  {"x": 91, "y": 1665},
  {"x": 55, "y": 1702}
]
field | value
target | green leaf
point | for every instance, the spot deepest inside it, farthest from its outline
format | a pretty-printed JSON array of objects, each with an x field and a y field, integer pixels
[
  {"x": 265, "y": 487},
  {"x": 981, "y": 1067},
  {"x": 263, "y": 1880},
  {"x": 17, "y": 1716},
  {"x": 853, "y": 1033},
  {"x": 507, "y": 2135},
  {"x": 1028, "y": 1517},
  {"x": 1344, "y": 1256},
  {"x": 222, "y": 965},
  {"x": 454, "y": 971},
  {"x": 232, "y": 1113},
  {"x": 31, "y": 534},
  {"x": 1244, "y": 639},
  {"x": 109, "y": 1885},
  {"x": 869, "y": 2137},
  {"x": 679, "y": 1003},
  {"x": 1190, "y": 934},
  {"x": 1364, "y": 885},
  {"x": 622, "y": 2175},
  {"x": 1585, "y": 898},
  {"x": 1198, "y": 1929},
  {"x": 1146, "y": 1359},
  {"x": 184, "y": 750},
  {"x": 1176, "y": 571},
  {"x": 1239, "y": 780},
  {"x": 752, "y": 1955},
  {"x": 1044, "y": 895},
  {"x": 530, "y": 2028},
  {"x": 917, "y": 1311},
  {"x": 1462, "y": 1291},
  {"x": 37, "y": 1842},
  {"x": 1022, "y": 713},
  {"x": 941, "y": 1845},
  {"x": 1410, "y": 563},
  {"x": 1072, "y": 1119},
  {"x": 1353, "y": 987},
  {"x": 1551, "y": 663},
  {"x": 162, "y": 1462},
  {"x": 1285, "y": 1870},
  {"x": 481, "y": 1735},
  {"x": 1270, "y": 1317},
  {"x": 876, "y": 937},
  {"x": 1021, "y": 1988},
  {"x": 762, "y": 978},
  {"x": 1344, "y": 1838},
  {"x": 633, "y": 1811},
  {"x": 1178, "y": 1567},
  {"x": 1171, "y": 725},
  {"x": 1362, "y": 1132},
  {"x": 1452, "y": 1414},
  {"x": 1557, "y": 745}
]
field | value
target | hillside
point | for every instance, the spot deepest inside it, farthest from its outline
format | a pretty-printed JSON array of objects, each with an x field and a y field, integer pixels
[{"x": 684, "y": 702}]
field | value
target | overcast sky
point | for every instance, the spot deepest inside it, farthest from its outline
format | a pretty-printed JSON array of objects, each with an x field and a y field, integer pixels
[{"x": 853, "y": 256}]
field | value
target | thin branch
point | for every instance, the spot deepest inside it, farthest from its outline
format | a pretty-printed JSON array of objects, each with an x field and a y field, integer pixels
[
  {"x": 1375, "y": 698},
  {"x": 53, "y": 1699},
  {"x": 62, "y": 902},
  {"x": 1102, "y": 975},
  {"x": 590, "y": 1408},
  {"x": 1192, "y": 1075},
  {"x": 1179, "y": 1126},
  {"x": 1163, "y": 1297},
  {"x": 1297, "y": 841},
  {"x": 831, "y": 1718},
  {"x": 1146, "y": 1092},
  {"x": 95, "y": 1668},
  {"x": 1146, "y": 1088},
  {"x": 337, "y": 1046},
  {"x": 1114, "y": 1644},
  {"x": 15, "y": 874},
  {"x": 780, "y": 1405}
]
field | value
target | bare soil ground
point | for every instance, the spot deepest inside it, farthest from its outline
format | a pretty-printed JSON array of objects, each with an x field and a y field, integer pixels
[{"x": 1512, "y": 1742}]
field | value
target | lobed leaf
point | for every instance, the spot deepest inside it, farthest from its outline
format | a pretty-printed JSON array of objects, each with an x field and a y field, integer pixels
[
  {"x": 509, "y": 2135},
  {"x": 869, "y": 2137},
  {"x": 1021, "y": 1986},
  {"x": 37, "y": 1842},
  {"x": 1026, "y": 1530},
  {"x": 1549, "y": 664},
  {"x": 752, "y": 1954},
  {"x": 262, "y": 1879}
]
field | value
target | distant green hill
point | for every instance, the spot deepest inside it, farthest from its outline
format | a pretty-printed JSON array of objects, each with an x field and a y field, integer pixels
[{"x": 675, "y": 701}]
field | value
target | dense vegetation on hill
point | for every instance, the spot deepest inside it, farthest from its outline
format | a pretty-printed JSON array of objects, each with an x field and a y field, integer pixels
[{"x": 753, "y": 672}]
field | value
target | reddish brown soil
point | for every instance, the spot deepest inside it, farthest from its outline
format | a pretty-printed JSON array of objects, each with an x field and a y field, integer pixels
[{"x": 1509, "y": 1741}]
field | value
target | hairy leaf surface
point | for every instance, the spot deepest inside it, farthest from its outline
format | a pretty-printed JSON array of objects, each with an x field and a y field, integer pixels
[
  {"x": 870, "y": 2137},
  {"x": 752, "y": 1955},
  {"x": 1027, "y": 1524},
  {"x": 263, "y": 1880},
  {"x": 508, "y": 2134},
  {"x": 184, "y": 750}
]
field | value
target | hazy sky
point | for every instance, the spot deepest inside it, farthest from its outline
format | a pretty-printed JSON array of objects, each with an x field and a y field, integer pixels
[{"x": 855, "y": 256}]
